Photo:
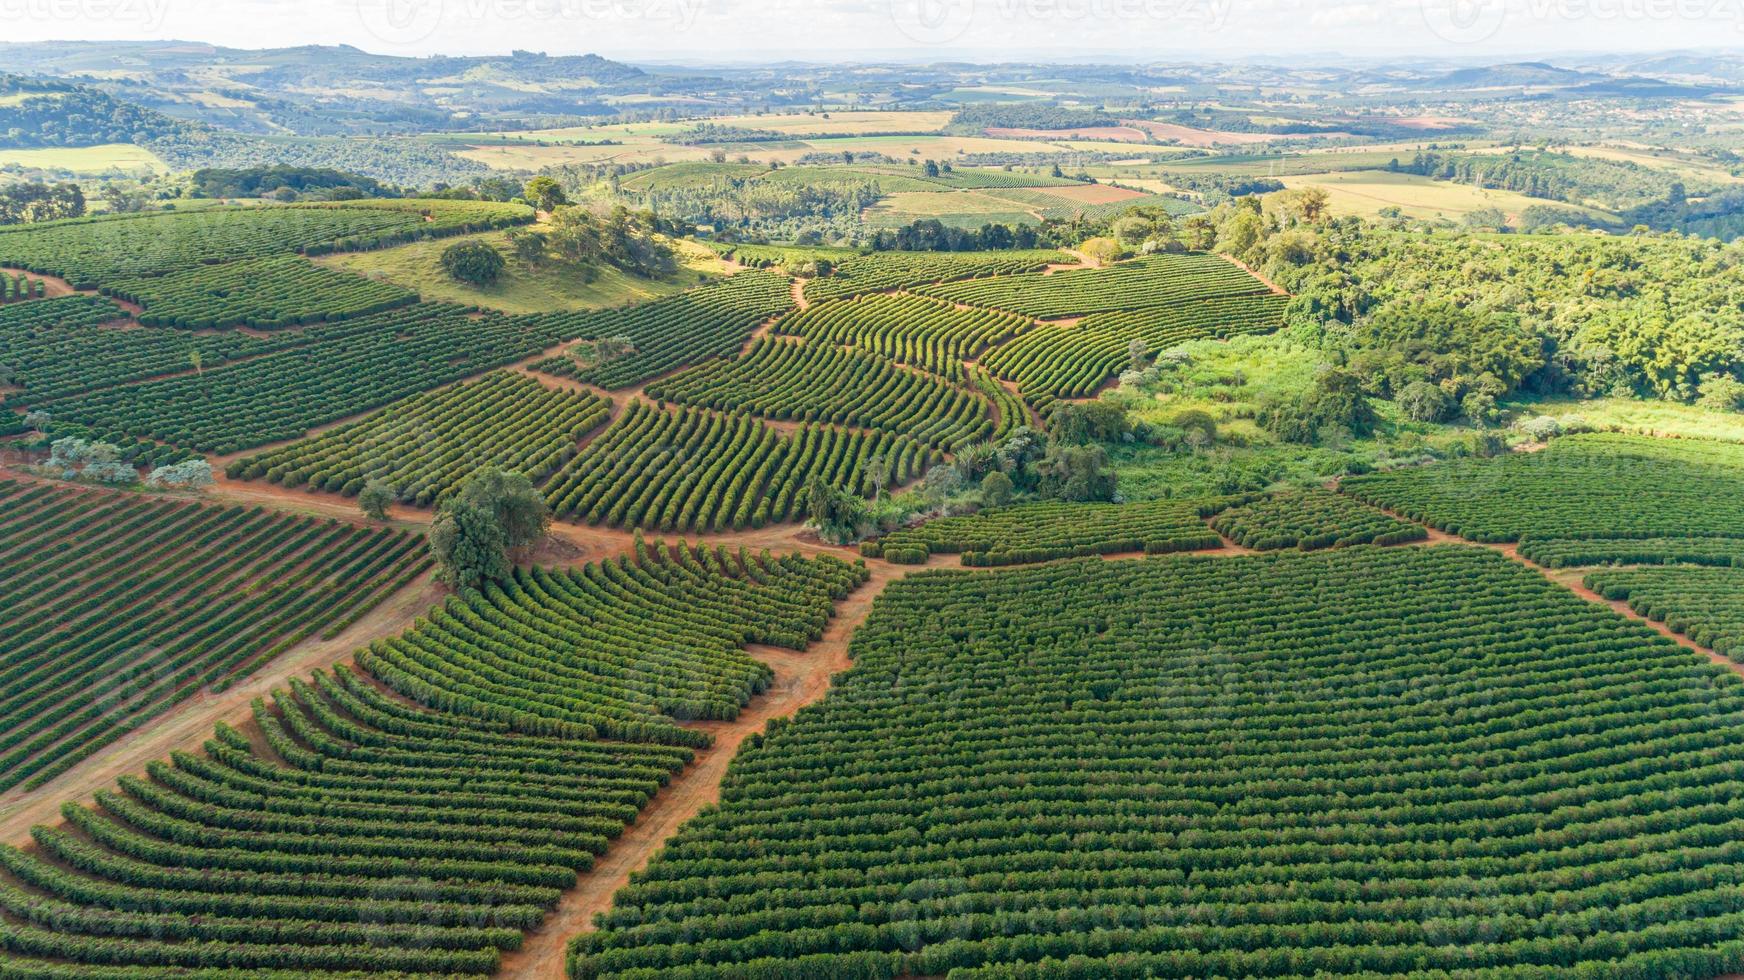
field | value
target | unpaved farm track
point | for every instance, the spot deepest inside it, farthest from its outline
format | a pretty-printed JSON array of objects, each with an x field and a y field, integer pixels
[{"x": 800, "y": 679}]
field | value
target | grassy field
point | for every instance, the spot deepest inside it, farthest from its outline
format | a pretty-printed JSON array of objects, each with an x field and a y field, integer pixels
[
  {"x": 1640, "y": 417},
  {"x": 86, "y": 159},
  {"x": 1367, "y": 192},
  {"x": 522, "y": 289}
]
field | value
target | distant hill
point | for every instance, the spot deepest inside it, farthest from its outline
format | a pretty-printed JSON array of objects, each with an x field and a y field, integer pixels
[{"x": 1524, "y": 74}]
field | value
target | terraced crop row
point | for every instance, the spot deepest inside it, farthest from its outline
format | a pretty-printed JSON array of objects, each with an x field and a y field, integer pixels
[
  {"x": 688, "y": 328},
  {"x": 817, "y": 382},
  {"x": 1160, "y": 280},
  {"x": 360, "y": 365},
  {"x": 119, "y": 606},
  {"x": 882, "y": 271},
  {"x": 423, "y": 446},
  {"x": 1075, "y": 361},
  {"x": 1705, "y": 604},
  {"x": 1045, "y": 531},
  {"x": 914, "y": 330},
  {"x": 91, "y": 252},
  {"x": 1220, "y": 767},
  {"x": 1586, "y": 486},
  {"x": 1311, "y": 518},
  {"x": 699, "y": 470},
  {"x": 415, "y": 814},
  {"x": 271, "y": 293}
]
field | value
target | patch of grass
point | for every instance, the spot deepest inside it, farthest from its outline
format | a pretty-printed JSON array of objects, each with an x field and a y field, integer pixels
[
  {"x": 1367, "y": 192},
  {"x": 86, "y": 159},
  {"x": 523, "y": 289},
  {"x": 1654, "y": 418}
]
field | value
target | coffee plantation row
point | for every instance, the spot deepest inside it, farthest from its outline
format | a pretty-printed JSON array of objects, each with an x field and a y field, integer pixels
[
  {"x": 885, "y": 271},
  {"x": 1045, "y": 531},
  {"x": 1705, "y": 604},
  {"x": 819, "y": 382},
  {"x": 355, "y": 366},
  {"x": 266, "y": 294},
  {"x": 424, "y": 830},
  {"x": 1401, "y": 762},
  {"x": 1074, "y": 361},
  {"x": 14, "y": 288},
  {"x": 424, "y": 446},
  {"x": 1573, "y": 552},
  {"x": 1582, "y": 486},
  {"x": 698, "y": 470},
  {"x": 96, "y": 251},
  {"x": 1311, "y": 518},
  {"x": 1160, "y": 280},
  {"x": 925, "y": 333},
  {"x": 118, "y": 606},
  {"x": 709, "y": 321}
]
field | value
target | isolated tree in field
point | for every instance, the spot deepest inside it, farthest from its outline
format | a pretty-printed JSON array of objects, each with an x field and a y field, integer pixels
[
  {"x": 613, "y": 347},
  {"x": 528, "y": 246},
  {"x": 930, "y": 168},
  {"x": 1308, "y": 203},
  {"x": 1085, "y": 422},
  {"x": 1137, "y": 354},
  {"x": 374, "y": 500},
  {"x": 837, "y": 516},
  {"x": 191, "y": 474},
  {"x": 473, "y": 262},
  {"x": 544, "y": 193},
  {"x": 493, "y": 513}
]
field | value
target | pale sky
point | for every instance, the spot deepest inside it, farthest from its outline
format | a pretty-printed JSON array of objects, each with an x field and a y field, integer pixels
[{"x": 923, "y": 30}]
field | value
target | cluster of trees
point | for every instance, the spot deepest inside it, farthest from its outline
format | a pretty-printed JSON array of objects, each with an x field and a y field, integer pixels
[
  {"x": 1615, "y": 184},
  {"x": 300, "y": 182},
  {"x": 43, "y": 114},
  {"x": 493, "y": 515},
  {"x": 30, "y": 202},
  {"x": 584, "y": 239},
  {"x": 1027, "y": 115}
]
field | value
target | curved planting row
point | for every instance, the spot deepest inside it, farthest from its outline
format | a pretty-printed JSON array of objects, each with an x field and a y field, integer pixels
[
  {"x": 926, "y": 333},
  {"x": 1007, "y": 406},
  {"x": 1572, "y": 552},
  {"x": 1045, "y": 531},
  {"x": 1159, "y": 280},
  {"x": 359, "y": 365},
  {"x": 119, "y": 606},
  {"x": 92, "y": 252},
  {"x": 414, "y": 814},
  {"x": 1311, "y": 518},
  {"x": 1703, "y": 603},
  {"x": 817, "y": 382},
  {"x": 1371, "y": 762},
  {"x": 1585, "y": 486},
  {"x": 1074, "y": 361},
  {"x": 700, "y": 470},
  {"x": 423, "y": 446},
  {"x": 270, "y": 293},
  {"x": 709, "y": 321},
  {"x": 882, "y": 271}
]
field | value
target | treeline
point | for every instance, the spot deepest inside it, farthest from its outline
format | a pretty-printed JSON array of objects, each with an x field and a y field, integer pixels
[
  {"x": 1613, "y": 184},
  {"x": 258, "y": 181},
  {"x": 1028, "y": 116},
  {"x": 1216, "y": 186},
  {"x": 31, "y": 202},
  {"x": 403, "y": 162}
]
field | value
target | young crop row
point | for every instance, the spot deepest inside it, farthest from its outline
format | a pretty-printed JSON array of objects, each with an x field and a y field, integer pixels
[
  {"x": 1705, "y": 604},
  {"x": 423, "y": 446},
  {"x": 423, "y": 831},
  {"x": 693, "y": 469},
  {"x": 709, "y": 321},
  {"x": 118, "y": 606},
  {"x": 818, "y": 382},
  {"x": 1006, "y": 406},
  {"x": 1046, "y": 531},
  {"x": 1074, "y": 361},
  {"x": 270, "y": 293},
  {"x": 1311, "y": 518},
  {"x": 21, "y": 287},
  {"x": 882, "y": 271},
  {"x": 1369, "y": 762},
  {"x": 356, "y": 366},
  {"x": 1585, "y": 486},
  {"x": 926, "y": 333},
  {"x": 1159, "y": 280},
  {"x": 94, "y": 252}
]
